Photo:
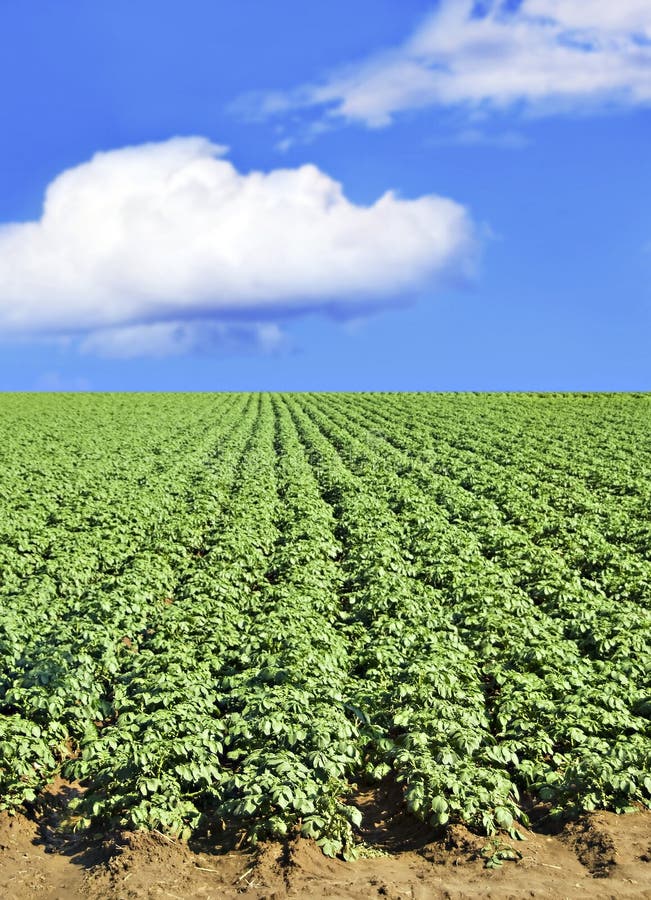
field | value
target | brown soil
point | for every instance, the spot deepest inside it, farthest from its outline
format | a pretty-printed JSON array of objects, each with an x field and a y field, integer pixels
[{"x": 599, "y": 855}]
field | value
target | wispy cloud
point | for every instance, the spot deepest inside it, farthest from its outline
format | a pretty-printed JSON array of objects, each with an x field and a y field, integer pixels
[
  {"x": 56, "y": 381},
  {"x": 162, "y": 339},
  {"x": 137, "y": 246},
  {"x": 477, "y": 137},
  {"x": 544, "y": 55}
]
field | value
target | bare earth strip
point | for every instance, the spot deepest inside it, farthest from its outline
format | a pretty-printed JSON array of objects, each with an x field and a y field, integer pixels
[{"x": 601, "y": 855}]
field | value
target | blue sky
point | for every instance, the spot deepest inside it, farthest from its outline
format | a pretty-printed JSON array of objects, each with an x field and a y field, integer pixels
[{"x": 513, "y": 254}]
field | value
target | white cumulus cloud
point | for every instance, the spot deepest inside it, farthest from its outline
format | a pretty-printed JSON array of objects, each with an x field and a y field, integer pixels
[
  {"x": 137, "y": 246},
  {"x": 546, "y": 54}
]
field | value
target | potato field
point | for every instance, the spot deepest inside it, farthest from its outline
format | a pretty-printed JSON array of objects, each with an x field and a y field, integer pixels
[{"x": 225, "y": 612}]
